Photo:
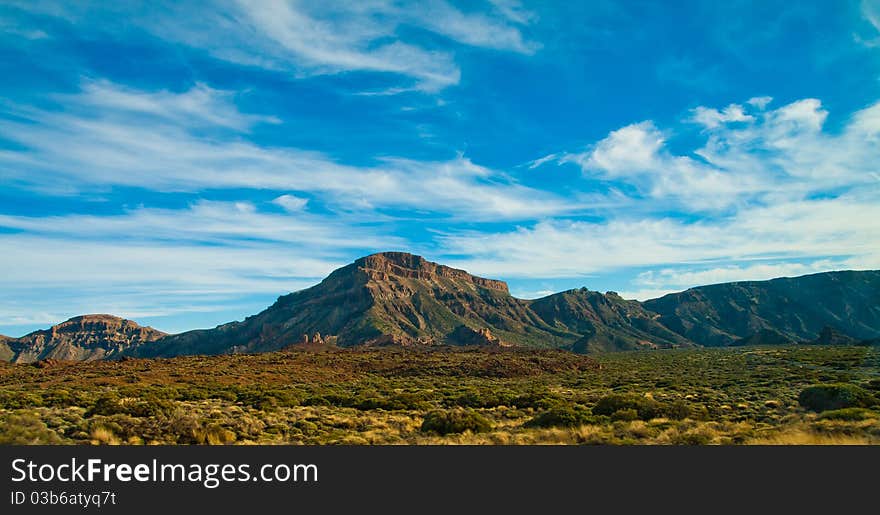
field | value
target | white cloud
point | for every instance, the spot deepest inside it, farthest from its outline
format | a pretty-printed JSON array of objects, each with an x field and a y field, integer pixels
[
  {"x": 636, "y": 156},
  {"x": 844, "y": 228},
  {"x": 112, "y": 136},
  {"x": 200, "y": 106},
  {"x": 871, "y": 14},
  {"x": 210, "y": 257},
  {"x": 291, "y": 203},
  {"x": 206, "y": 222},
  {"x": 712, "y": 118},
  {"x": 316, "y": 38},
  {"x": 680, "y": 279},
  {"x": 61, "y": 277},
  {"x": 631, "y": 149},
  {"x": 777, "y": 155},
  {"x": 760, "y": 102},
  {"x": 784, "y": 191},
  {"x": 514, "y": 11}
]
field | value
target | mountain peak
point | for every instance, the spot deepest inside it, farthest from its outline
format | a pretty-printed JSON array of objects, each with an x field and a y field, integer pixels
[
  {"x": 84, "y": 337},
  {"x": 403, "y": 264},
  {"x": 101, "y": 322}
]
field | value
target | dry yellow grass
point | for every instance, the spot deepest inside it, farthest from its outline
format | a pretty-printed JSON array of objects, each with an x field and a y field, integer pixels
[{"x": 805, "y": 437}]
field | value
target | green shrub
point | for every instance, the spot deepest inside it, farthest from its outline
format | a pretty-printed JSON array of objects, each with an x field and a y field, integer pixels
[
  {"x": 835, "y": 396},
  {"x": 106, "y": 405},
  {"x": 678, "y": 410},
  {"x": 25, "y": 429},
  {"x": 848, "y": 414},
  {"x": 455, "y": 421},
  {"x": 19, "y": 400},
  {"x": 150, "y": 408},
  {"x": 625, "y": 414},
  {"x": 645, "y": 408},
  {"x": 560, "y": 416}
]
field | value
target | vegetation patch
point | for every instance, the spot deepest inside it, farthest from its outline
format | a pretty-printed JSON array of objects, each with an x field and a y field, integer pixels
[
  {"x": 396, "y": 396},
  {"x": 455, "y": 421},
  {"x": 824, "y": 397}
]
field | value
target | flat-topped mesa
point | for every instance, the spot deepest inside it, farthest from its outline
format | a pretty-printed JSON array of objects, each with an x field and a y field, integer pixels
[
  {"x": 403, "y": 264},
  {"x": 82, "y": 338},
  {"x": 101, "y": 323}
]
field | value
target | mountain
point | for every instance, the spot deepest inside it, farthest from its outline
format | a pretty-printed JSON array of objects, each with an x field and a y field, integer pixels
[
  {"x": 604, "y": 322},
  {"x": 794, "y": 308},
  {"x": 395, "y": 298},
  {"x": 381, "y": 299},
  {"x": 82, "y": 338}
]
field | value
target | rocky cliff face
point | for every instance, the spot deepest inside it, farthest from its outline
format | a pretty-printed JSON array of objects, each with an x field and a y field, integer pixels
[{"x": 82, "y": 338}]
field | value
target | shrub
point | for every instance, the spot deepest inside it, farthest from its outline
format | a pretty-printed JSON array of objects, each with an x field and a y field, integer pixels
[
  {"x": 455, "y": 421},
  {"x": 19, "y": 400},
  {"x": 560, "y": 416},
  {"x": 678, "y": 410},
  {"x": 25, "y": 429},
  {"x": 150, "y": 408},
  {"x": 106, "y": 405},
  {"x": 645, "y": 408},
  {"x": 625, "y": 414},
  {"x": 835, "y": 396}
]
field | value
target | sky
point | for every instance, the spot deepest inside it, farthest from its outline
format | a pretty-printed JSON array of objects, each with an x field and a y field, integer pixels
[{"x": 183, "y": 164}]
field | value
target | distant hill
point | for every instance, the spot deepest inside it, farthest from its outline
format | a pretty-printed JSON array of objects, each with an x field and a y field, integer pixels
[
  {"x": 82, "y": 338},
  {"x": 795, "y": 309},
  {"x": 400, "y": 299}
]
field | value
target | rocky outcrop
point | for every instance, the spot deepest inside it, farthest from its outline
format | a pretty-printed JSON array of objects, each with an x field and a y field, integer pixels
[
  {"x": 465, "y": 336},
  {"x": 82, "y": 338}
]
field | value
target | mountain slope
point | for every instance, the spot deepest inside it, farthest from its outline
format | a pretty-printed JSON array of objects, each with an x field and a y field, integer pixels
[
  {"x": 82, "y": 338},
  {"x": 605, "y": 322},
  {"x": 794, "y": 308},
  {"x": 403, "y": 299},
  {"x": 386, "y": 298}
]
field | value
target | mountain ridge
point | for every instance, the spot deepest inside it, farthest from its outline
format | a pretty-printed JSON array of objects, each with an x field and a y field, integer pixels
[
  {"x": 401, "y": 299},
  {"x": 81, "y": 338}
]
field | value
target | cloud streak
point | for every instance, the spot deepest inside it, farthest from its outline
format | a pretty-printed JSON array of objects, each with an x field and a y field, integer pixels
[
  {"x": 318, "y": 38},
  {"x": 110, "y": 136}
]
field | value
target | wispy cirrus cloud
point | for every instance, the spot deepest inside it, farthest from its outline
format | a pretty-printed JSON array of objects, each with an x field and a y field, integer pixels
[
  {"x": 109, "y": 135},
  {"x": 318, "y": 38},
  {"x": 871, "y": 14},
  {"x": 843, "y": 231},
  {"x": 211, "y": 257}
]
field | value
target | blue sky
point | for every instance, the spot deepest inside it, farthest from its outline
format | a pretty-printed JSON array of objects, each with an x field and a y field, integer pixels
[{"x": 184, "y": 163}]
